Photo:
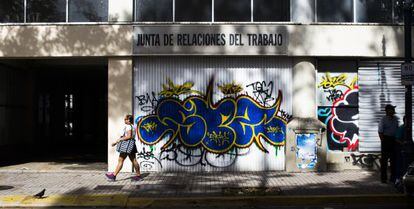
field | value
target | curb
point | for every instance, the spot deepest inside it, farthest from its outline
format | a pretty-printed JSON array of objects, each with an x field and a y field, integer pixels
[
  {"x": 51, "y": 171},
  {"x": 119, "y": 200}
]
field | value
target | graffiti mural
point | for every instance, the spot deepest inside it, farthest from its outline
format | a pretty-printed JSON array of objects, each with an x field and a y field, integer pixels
[
  {"x": 147, "y": 160},
  {"x": 306, "y": 151},
  {"x": 190, "y": 129},
  {"x": 183, "y": 156},
  {"x": 332, "y": 87},
  {"x": 366, "y": 160},
  {"x": 230, "y": 88},
  {"x": 262, "y": 92},
  {"x": 338, "y": 109},
  {"x": 233, "y": 122},
  {"x": 211, "y": 116},
  {"x": 285, "y": 115},
  {"x": 147, "y": 102}
]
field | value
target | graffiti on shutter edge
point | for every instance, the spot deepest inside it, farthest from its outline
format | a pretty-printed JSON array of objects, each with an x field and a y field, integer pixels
[
  {"x": 338, "y": 109},
  {"x": 195, "y": 131},
  {"x": 187, "y": 157},
  {"x": 147, "y": 102},
  {"x": 365, "y": 160},
  {"x": 262, "y": 92}
]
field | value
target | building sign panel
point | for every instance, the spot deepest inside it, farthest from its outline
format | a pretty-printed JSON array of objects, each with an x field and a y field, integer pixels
[
  {"x": 211, "y": 40},
  {"x": 407, "y": 74}
]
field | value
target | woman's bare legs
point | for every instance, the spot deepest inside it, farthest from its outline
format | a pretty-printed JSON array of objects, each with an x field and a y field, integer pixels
[
  {"x": 121, "y": 160},
  {"x": 135, "y": 164}
]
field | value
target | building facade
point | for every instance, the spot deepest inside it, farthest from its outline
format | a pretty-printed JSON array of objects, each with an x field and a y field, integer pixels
[{"x": 214, "y": 85}]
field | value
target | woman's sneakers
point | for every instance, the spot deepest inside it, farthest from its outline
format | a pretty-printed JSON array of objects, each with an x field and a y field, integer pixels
[
  {"x": 110, "y": 176},
  {"x": 136, "y": 178}
]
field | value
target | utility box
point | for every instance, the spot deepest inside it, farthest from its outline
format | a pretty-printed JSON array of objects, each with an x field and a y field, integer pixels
[{"x": 306, "y": 149}]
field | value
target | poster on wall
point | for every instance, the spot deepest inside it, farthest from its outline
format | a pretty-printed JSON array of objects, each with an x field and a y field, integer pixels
[
  {"x": 306, "y": 151},
  {"x": 210, "y": 118},
  {"x": 338, "y": 109}
]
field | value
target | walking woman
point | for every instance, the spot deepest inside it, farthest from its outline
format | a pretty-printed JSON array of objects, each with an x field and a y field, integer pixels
[{"x": 125, "y": 145}]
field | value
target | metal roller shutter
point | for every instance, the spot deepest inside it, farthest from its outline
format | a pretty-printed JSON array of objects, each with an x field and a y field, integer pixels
[
  {"x": 259, "y": 77},
  {"x": 380, "y": 84}
]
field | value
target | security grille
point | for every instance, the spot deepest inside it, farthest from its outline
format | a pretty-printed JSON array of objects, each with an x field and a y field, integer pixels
[{"x": 380, "y": 84}]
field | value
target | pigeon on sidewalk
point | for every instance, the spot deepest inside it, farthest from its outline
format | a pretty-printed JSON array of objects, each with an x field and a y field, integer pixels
[{"x": 40, "y": 194}]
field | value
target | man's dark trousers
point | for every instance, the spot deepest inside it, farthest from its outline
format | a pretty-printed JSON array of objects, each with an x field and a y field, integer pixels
[{"x": 387, "y": 152}]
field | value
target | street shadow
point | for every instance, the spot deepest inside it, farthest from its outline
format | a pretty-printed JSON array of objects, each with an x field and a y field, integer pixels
[{"x": 219, "y": 184}]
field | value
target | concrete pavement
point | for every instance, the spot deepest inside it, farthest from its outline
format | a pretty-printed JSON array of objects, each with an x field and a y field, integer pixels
[{"x": 90, "y": 188}]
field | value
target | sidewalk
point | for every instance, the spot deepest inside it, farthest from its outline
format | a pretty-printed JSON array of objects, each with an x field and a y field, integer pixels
[{"x": 90, "y": 188}]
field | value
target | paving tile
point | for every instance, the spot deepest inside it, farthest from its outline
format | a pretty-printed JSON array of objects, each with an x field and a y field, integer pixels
[{"x": 194, "y": 184}]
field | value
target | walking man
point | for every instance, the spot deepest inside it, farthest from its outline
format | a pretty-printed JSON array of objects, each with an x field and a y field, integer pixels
[{"x": 387, "y": 129}]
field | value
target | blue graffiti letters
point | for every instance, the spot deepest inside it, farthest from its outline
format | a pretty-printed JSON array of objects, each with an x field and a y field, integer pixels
[{"x": 218, "y": 127}]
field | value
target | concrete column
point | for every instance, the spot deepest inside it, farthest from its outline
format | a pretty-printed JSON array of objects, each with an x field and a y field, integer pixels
[
  {"x": 120, "y": 10},
  {"x": 304, "y": 89},
  {"x": 304, "y": 120},
  {"x": 119, "y": 104},
  {"x": 303, "y": 11}
]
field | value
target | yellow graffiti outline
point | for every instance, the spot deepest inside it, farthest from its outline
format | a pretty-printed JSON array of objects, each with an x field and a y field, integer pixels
[
  {"x": 217, "y": 137},
  {"x": 172, "y": 89},
  {"x": 170, "y": 140},
  {"x": 256, "y": 137},
  {"x": 332, "y": 82},
  {"x": 150, "y": 126},
  {"x": 158, "y": 139},
  {"x": 189, "y": 126},
  {"x": 274, "y": 129},
  {"x": 193, "y": 108},
  {"x": 354, "y": 81},
  {"x": 223, "y": 124},
  {"x": 230, "y": 88}
]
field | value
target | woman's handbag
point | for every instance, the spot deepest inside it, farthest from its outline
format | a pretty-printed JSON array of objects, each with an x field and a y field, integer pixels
[{"x": 126, "y": 146}]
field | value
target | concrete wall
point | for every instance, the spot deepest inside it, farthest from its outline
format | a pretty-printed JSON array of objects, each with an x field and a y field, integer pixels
[
  {"x": 346, "y": 40},
  {"x": 65, "y": 40},
  {"x": 119, "y": 104}
]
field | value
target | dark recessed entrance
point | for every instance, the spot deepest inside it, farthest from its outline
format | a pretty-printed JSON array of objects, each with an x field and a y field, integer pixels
[{"x": 65, "y": 111}]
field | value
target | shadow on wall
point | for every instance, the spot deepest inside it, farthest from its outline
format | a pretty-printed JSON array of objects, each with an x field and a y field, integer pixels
[
  {"x": 390, "y": 39},
  {"x": 346, "y": 40},
  {"x": 65, "y": 40},
  {"x": 119, "y": 82},
  {"x": 119, "y": 101}
]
